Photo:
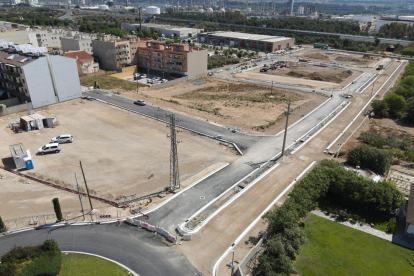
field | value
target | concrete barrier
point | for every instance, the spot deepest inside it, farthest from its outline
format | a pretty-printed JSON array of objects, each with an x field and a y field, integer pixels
[
  {"x": 187, "y": 237},
  {"x": 151, "y": 228},
  {"x": 171, "y": 238},
  {"x": 144, "y": 225},
  {"x": 130, "y": 220},
  {"x": 137, "y": 223}
]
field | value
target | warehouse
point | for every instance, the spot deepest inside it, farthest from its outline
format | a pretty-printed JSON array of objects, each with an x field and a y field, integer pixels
[
  {"x": 253, "y": 41},
  {"x": 167, "y": 30}
]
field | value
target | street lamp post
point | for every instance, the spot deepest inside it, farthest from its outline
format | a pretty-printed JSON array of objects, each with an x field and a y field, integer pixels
[
  {"x": 372, "y": 88},
  {"x": 232, "y": 261}
]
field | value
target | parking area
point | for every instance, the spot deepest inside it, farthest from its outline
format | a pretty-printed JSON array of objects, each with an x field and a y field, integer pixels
[{"x": 122, "y": 153}]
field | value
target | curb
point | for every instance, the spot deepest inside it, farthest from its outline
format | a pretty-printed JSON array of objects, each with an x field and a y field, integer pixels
[
  {"x": 199, "y": 133},
  {"x": 246, "y": 231},
  {"x": 94, "y": 255}
]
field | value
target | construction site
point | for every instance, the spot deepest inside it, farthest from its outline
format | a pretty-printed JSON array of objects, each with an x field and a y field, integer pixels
[
  {"x": 247, "y": 107},
  {"x": 340, "y": 58},
  {"x": 119, "y": 155}
]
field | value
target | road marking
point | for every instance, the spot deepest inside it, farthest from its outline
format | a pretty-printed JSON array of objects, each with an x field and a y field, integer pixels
[
  {"x": 94, "y": 255},
  {"x": 247, "y": 230},
  {"x": 362, "y": 110}
]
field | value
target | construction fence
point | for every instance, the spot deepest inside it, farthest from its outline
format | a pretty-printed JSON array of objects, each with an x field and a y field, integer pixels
[{"x": 250, "y": 261}]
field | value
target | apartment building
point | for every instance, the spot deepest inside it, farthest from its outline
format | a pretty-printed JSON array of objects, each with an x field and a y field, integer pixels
[
  {"x": 174, "y": 60},
  {"x": 112, "y": 53},
  {"x": 41, "y": 79},
  {"x": 77, "y": 44}
]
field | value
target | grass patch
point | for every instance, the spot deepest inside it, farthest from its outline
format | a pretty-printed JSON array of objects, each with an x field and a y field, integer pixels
[
  {"x": 108, "y": 82},
  {"x": 85, "y": 265},
  {"x": 334, "y": 249}
]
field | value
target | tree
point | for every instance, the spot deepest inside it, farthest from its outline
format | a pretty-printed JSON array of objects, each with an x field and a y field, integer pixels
[
  {"x": 396, "y": 105},
  {"x": 410, "y": 110},
  {"x": 380, "y": 108},
  {"x": 56, "y": 206},
  {"x": 2, "y": 226}
]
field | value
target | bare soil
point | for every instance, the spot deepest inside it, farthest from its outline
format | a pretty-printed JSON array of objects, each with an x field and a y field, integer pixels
[
  {"x": 122, "y": 153},
  {"x": 342, "y": 58},
  {"x": 254, "y": 108},
  {"x": 317, "y": 73}
]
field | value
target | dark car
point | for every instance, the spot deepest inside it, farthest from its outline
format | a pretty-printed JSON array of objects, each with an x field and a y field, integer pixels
[{"x": 140, "y": 102}]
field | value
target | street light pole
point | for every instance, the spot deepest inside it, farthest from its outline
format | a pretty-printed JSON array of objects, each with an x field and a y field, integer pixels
[
  {"x": 372, "y": 88},
  {"x": 232, "y": 261}
]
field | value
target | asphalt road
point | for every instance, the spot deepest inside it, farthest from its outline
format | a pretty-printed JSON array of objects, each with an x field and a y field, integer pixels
[
  {"x": 139, "y": 250},
  {"x": 256, "y": 149}
]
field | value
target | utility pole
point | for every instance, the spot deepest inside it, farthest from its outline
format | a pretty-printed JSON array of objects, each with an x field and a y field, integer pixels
[
  {"x": 271, "y": 90},
  {"x": 372, "y": 88},
  {"x": 286, "y": 129},
  {"x": 80, "y": 197},
  {"x": 174, "y": 172},
  {"x": 87, "y": 190},
  {"x": 137, "y": 80}
]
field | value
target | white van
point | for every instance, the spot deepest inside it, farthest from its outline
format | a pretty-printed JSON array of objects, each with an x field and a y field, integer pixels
[{"x": 53, "y": 147}]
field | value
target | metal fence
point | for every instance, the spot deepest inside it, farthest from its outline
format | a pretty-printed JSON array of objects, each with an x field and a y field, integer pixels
[{"x": 249, "y": 262}]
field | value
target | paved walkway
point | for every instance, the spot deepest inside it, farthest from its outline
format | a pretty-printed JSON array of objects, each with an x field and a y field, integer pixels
[{"x": 358, "y": 226}]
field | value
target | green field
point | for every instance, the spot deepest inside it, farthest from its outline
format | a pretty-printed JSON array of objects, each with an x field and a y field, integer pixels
[
  {"x": 335, "y": 249},
  {"x": 108, "y": 82},
  {"x": 85, "y": 265}
]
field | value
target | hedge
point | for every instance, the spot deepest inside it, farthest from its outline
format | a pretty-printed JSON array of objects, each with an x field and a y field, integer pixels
[
  {"x": 365, "y": 156},
  {"x": 331, "y": 180}
]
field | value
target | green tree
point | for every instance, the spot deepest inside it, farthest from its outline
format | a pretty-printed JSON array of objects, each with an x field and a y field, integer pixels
[
  {"x": 396, "y": 105},
  {"x": 410, "y": 110},
  {"x": 2, "y": 226},
  {"x": 380, "y": 108},
  {"x": 56, "y": 207}
]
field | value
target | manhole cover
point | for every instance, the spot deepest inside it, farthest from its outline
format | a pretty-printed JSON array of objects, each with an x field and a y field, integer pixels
[{"x": 202, "y": 197}]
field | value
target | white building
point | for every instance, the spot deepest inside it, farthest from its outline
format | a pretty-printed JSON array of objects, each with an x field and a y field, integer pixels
[
  {"x": 153, "y": 10},
  {"x": 32, "y": 75}
]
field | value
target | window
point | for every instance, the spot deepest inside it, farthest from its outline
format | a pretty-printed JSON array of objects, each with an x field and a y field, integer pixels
[
  {"x": 154, "y": 46},
  {"x": 177, "y": 48}
]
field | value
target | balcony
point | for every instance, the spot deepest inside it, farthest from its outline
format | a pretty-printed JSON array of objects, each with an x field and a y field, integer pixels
[
  {"x": 12, "y": 73},
  {"x": 157, "y": 56},
  {"x": 158, "y": 62},
  {"x": 175, "y": 59},
  {"x": 176, "y": 66}
]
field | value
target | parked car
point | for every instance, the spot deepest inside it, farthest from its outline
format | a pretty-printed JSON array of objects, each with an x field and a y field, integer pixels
[
  {"x": 164, "y": 80},
  {"x": 144, "y": 76},
  {"x": 65, "y": 138},
  {"x": 149, "y": 81},
  {"x": 48, "y": 148},
  {"x": 140, "y": 102}
]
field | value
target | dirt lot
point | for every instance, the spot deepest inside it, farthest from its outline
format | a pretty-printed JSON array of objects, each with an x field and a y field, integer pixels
[
  {"x": 250, "y": 107},
  {"x": 342, "y": 58},
  {"x": 317, "y": 73},
  {"x": 122, "y": 153}
]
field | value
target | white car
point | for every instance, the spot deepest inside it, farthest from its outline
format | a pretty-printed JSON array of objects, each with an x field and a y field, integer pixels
[
  {"x": 48, "y": 148},
  {"x": 65, "y": 138}
]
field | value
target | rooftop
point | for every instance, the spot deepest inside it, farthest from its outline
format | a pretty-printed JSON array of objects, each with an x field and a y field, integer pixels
[
  {"x": 15, "y": 59},
  {"x": 167, "y": 27},
  {"x": 17, "y": 150},
  {"x": 257, "y": 37},
  {"x": 78, "y": 55}
]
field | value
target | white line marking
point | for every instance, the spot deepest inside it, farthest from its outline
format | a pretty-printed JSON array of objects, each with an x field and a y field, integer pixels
[{"x": 247, "y": 230}]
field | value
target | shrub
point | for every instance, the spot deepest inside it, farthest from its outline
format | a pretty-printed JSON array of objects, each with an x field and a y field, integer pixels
[
  {"x": 377, "y": 160},
  {"x": 58, "y": 211},
  {"x": 391, "y": 225},
  {"x": 372, "y": 138},
  {"x": 343, "y": 215},
  {"x": 48, "y": 264},
  {"x": 2, "y": 226}
]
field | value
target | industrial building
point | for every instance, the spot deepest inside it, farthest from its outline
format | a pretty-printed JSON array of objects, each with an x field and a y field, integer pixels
[
  {"x": 172, "y": 60},
  {"x": 289, "y": 7},
  {"x": 32, "y": 75},
  {"x": 253, "y": 41},
  {"x": 167, "y": 30}
]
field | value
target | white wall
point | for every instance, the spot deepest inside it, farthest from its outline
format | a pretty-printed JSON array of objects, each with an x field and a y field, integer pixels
[
  {"x": 65, "y": 76},
  {"x": 39, "y": 82}
]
